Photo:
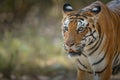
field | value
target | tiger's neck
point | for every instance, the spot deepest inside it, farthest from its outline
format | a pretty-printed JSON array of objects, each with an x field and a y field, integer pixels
[
  {"x": 96, "y": 47},
  {"x": 109, "y": 25},
  {"x": 96, "y": 55}
]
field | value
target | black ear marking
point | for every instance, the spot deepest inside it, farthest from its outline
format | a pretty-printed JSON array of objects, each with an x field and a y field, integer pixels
[
  {"x": 96, "y": 9},
  {"x": 67, "y": 7}
]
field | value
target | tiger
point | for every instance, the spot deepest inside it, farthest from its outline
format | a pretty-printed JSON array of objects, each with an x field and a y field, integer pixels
[{"x": 91, "y": 36}]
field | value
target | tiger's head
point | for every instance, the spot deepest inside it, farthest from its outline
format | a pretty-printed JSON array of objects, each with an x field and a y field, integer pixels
[{"x": 80, "y": 28}]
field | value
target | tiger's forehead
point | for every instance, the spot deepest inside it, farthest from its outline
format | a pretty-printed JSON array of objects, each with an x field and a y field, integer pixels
[
  {"x": 79, "y": 22},
  {"x": 75, "y": 16}
]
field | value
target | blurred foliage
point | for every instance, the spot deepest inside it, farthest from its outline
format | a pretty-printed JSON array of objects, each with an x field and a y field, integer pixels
[
  {"x": 30, "y": 37},
  {"x": 31, "y": 55}
]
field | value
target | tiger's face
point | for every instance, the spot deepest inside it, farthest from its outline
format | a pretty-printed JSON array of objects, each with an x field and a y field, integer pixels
[{"x": 79, "y": 28}]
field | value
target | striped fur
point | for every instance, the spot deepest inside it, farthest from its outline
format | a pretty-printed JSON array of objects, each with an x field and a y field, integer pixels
[{"x": 92, "y": 35}]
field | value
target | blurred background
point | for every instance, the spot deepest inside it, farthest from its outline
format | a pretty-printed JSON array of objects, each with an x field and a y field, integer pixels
[{"x": 30, "y": 40}]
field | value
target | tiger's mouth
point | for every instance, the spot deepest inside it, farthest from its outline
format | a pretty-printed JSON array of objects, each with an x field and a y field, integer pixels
[
  {"x": 71, "y": 54},
  {"x": 78, "y": 52}
]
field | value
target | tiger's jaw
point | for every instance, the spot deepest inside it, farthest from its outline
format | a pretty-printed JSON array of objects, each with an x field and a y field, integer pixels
[{"x": 74, "y": 50}]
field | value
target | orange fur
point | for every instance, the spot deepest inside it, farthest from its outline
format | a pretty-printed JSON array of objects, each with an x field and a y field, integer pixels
[{"x": 106, "y": 24}]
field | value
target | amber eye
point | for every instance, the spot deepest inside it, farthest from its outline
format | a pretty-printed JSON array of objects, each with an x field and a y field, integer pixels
[{"x": 80, "y": 29}]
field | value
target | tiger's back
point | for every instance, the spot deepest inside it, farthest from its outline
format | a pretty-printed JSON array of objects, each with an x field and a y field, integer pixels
[{"x": 114, "y": 6}]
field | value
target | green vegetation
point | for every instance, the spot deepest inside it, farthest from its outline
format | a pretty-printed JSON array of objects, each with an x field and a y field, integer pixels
[{"x": 31, "y": 55}]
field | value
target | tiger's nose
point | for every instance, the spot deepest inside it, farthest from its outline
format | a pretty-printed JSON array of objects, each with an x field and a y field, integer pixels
[{"x": 70, "y": 43}]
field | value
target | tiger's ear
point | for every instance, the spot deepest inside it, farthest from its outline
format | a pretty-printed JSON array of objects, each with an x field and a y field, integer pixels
[
  {"x": 67, "y": 7},
  {"x": 96, "y": 9}
]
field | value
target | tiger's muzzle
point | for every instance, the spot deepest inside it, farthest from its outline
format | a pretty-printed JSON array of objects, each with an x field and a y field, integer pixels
[{"x": 74, "y": 50}]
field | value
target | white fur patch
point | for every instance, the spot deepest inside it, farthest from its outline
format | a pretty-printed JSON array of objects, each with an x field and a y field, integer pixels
[
  {"x": 95, "y": 34},
  {"x": 82, "y": 24},
  {"x": 66, "y": 22},
  {"x": 95, "y": 9},
  {"x": 69, "y": 7},
  {"x": 69, "y": 56},
  {"x": 88, "y": 40},
  {"x": 96, "y": 77}
]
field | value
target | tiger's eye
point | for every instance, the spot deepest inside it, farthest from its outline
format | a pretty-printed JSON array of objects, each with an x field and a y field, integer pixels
[
  {"x": 81, "y": 28},
  {"x": 65, "y": 29}
]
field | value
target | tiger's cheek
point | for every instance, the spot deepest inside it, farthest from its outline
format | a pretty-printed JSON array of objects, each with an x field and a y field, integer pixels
[
  {"x": 65, "y": 36},
  {"x": 80, "y": 36}
]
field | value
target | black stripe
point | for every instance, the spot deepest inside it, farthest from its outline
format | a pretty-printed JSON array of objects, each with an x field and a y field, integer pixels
[
  {"x": 99, "y": 60},
  {"x": 98, "y": 72},
  {"x": 90, "y": 33},
  {"x": 79, "y": 68},
  {"x": 90, "y": 54},
  {"x": 81, "y": 19},
  {"x": 116, "y": 69},
  {"x": 90, "y": 29},
  {"x": 116, "y": 54},
  {"x": 116, "y": 58},
  {"x": 93, "y": 31},
  {"x": 103, "y": 64},
  {"x": 97, "y": 46},
  {"x": 84, "y": 55},
  {"x": 77, "y": 15},
  {"x": 71, "y": 18},
  {"x": 101, "y": 70},
  {"x": 93, "y": 26},
  {"x": 84, "y": 70},
  {"x": 99, "y": 29},
  {"x": 93, "y": 38},
  {"x": 93, "y": 35},
  {"x": 82, "y": 64},
  {"x": 84, "y": 16},
  {"x": 93, "y": 46}
]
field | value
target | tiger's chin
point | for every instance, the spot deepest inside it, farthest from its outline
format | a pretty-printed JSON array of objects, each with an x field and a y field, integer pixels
[{"x": 74, "y": 54}]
